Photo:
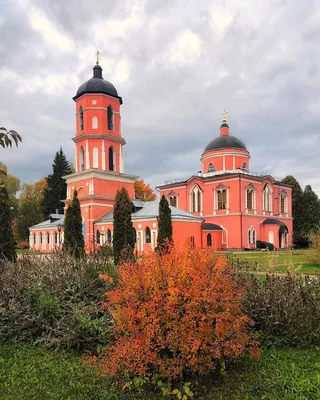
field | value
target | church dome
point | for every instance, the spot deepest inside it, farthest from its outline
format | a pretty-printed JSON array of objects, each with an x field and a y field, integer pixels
[
  {"x": 97, "y": 85},
  {"x": 225, "y": 142}
]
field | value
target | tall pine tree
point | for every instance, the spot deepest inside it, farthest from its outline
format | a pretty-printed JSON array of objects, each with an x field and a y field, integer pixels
[
  {"x": 7, "y": 245},
  {"x": 73, "y": 236},
  {"x": 123, "y": 234},
  {"x": 57, "y": 188},
  {"x": 164, "y": 238}
]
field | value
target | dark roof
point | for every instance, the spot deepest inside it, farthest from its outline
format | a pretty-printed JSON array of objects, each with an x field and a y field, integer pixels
[
  {"x": 224, "y": 125},
  {"x": 226, "y": 141},
  {"x": 97, "y": 85},
  {"x": 206, "y": 226},
  {"x": 272, "y": 221}
]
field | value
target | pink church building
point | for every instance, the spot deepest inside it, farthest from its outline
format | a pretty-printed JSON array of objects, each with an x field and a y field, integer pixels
[{"x": 224, "y": 205}]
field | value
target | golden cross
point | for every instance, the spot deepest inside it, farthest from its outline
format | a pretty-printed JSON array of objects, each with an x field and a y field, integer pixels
[
  {"x": 224, "y": 115},
  {"x": 97, "y": 54}
]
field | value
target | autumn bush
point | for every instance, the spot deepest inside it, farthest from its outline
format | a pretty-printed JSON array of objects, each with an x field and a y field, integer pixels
[
  {"x": 176, "y": 315},
  {"x": 23, "y": 245}
]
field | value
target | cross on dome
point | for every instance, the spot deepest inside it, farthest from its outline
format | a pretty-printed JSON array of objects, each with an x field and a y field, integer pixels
[
  {"x": 224, "y": 115},
  {"x": 97, "y": 54}
]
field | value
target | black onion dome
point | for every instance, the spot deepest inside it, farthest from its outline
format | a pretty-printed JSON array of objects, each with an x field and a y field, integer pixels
[
  {"x": 97, "y": 85},
  {"x": 224, "y": 125},
  {"x": 225, "y": 142}
]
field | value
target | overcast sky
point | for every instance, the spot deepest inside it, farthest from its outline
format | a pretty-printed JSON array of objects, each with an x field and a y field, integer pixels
[{"x": 177, "y": 65}]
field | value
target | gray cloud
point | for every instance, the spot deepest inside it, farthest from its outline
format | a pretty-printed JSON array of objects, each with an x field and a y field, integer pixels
[{"x": 177, "y": 65}]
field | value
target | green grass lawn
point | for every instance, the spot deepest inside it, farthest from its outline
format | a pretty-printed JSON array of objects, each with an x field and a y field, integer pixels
[
  {"x": 28, "y": 373},
  {"x": 295, "y": 261}
]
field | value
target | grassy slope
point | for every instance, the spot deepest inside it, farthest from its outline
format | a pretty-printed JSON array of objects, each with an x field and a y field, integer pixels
[
  {"x": 294, "y": 261},
  {"x": 30, "y": 374}
]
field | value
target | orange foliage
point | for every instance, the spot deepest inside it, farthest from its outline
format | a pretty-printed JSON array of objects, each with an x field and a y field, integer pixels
[
  {"x": 143, "y": 191},
  {"x": 180, "y": 312}
]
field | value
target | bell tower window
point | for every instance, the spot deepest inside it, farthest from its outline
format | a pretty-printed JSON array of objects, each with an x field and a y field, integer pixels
[
  {"x": 81, "y": 122},
  {"x": 111, "y": 159},
  {"x": 94, "y": 122},
  {"x": 81, "y": 159},
  {"x": 110, "y": 118},
  {"x": 95, "y": 157}
]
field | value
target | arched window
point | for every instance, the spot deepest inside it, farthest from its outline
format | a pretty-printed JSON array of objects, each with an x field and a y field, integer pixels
[
  {"x": 283, "y": 202},
  {"x": 41, "y": 237},
  {"x": 108, "y": 236},
  {"x": 98, "y": 236},
  {"x": 267, "y": 203},
  {"x": 56, "y": 238},
  {"x": 95, "y": 156},
  {"x": 34, "y": 238},
  {"x": 222, "y": 199},
  {"x": 244, "y": 167},
  {"x": 194, "y": 205},
  {"x": 81, "y": 159},
  {"x": 196, "y": 199},
  {"x": 209, "y": 240},
  {"x": 250, "y": 197},
  {"x": 111, "y": 159},
  {"x": 110, "y": 118},
  {"x": 251, "y": 235},
  {"x": 48, "y": 238},
  {"x": 148, "y": 235},
  {"x": 94, "y": 122},
  {"x": 173, "y": 200},
  {"x": 211, "y": 168},
  {"x": 81, "y": 122}
]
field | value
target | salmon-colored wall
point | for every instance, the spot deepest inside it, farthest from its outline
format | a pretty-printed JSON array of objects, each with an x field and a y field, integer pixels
[
  {"x": 90, "y": 110},
  {"x": 216, "y": 158}
]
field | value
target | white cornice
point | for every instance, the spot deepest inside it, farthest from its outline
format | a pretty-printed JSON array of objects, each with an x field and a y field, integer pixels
[
  {"x": 98, "y": 136},
  {"x": 100, "y": 174}
]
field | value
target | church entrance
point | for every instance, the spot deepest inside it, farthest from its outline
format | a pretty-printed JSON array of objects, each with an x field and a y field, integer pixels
[{"x": 283, "y": 237}]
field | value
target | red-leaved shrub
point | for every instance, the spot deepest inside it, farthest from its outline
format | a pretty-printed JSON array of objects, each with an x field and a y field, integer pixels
[{"x": 176, "y": 313}]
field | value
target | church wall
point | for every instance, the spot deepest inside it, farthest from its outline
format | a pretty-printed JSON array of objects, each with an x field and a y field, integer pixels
[{"x": 183, "y": 232}]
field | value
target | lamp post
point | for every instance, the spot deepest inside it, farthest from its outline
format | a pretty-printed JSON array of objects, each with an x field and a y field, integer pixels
[{"x": 59, "y": 230}]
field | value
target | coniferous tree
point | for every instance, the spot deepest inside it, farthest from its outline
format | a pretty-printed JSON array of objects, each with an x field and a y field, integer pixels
[
  {"x": 311, "y": 213},
  {"x": 123, "y": 233},
  {"x": 164, "y": 225},
  {"x": 7, "y": 245},
  {"x": 57, "y": 188},
  {"x": 73, "y": 236},
  {"x": 299, "y": 239}
]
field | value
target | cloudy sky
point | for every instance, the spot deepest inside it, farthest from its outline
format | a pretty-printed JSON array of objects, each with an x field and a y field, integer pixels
[{"x": 177, "y": 65}]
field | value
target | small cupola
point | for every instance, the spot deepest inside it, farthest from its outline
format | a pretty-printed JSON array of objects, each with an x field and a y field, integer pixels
[{"x": 224, "y": 128}]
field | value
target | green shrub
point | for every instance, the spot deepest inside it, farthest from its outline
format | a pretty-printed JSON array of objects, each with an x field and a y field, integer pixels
[
  {"x": 286, "y": 309},
  {"x": 55, "y": 301},
  {"x": 313, "y": 253}
]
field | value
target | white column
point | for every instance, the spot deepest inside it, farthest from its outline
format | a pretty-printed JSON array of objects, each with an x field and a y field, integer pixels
[
  {"x": 121, "y": 159},
  {"x": 87, "y": 155},
  {"x": 141, "y": 240},
  {"x": 103, "y": 156},
  {"x": 233, "y": 162},
  {"x": 214, "y": 202},
  {"x": 153, "y": 239},
  {"x": 76, "y": 160},
  {"x": 224, "y": 162},
  {"x": 227, "y": 194}
]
